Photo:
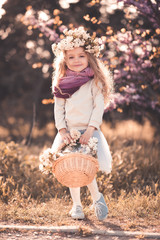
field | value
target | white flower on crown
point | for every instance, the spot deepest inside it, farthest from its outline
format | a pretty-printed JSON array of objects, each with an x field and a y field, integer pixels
[{"x": 78, "y": 38}]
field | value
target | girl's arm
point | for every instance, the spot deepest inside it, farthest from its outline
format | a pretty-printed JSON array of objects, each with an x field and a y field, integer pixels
[
  {"x": 65, "y": 135},
  {"x": 60, "y": 123},
  {"x": 59, "y": 113},
  {"x": 87, "y": 135}
]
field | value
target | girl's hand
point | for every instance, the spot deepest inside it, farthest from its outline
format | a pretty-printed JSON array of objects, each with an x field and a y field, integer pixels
[
  {"x": 87, "y": 135},
  {"x": 65, "y": 135}
]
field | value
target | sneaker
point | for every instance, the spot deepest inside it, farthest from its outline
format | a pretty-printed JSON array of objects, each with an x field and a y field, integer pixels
[
  {"x": 77, "y": 212},
  {"x": 101, "y": 209}
]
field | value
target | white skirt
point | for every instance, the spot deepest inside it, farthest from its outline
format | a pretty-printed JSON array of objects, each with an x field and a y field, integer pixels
[{"x": 103, "y": 153}]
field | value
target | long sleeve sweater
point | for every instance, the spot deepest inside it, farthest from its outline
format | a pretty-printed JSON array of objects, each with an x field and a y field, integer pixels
[{"x": 84, "y": 108}]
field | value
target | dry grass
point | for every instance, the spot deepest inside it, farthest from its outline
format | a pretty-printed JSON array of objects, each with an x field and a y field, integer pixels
[
  {"x": 131, "y": 212},
  {"x": 132, "y": 190}
]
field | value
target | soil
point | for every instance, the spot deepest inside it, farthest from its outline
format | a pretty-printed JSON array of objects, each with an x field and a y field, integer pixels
[
  {"x": 29, "y": 235},
  {"x": 85, "y": 225}
]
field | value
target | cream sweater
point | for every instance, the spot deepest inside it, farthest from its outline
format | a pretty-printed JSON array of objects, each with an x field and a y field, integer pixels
[{"x": 84, "y": 108}]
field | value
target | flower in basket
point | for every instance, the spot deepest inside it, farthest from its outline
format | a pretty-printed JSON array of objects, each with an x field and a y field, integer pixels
[
  {"x": 91, "y": 147},
  {"x": 75, "y": 134},
  {"x": 46, "y": 160},
  {"x": 76, "y": 146},
  {"x": 47, "y": 157}
]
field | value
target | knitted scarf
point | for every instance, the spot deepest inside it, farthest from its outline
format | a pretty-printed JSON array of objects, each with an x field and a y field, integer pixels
[{"x": 72, "y": 82}]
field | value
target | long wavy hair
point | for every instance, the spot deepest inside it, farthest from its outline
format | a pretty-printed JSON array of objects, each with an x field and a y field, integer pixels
[{"x": 101, "y": 74}]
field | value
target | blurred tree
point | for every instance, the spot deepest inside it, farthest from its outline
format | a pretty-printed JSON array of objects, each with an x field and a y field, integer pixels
[
  {"x": 137, "y": 71},
  {"x": 17, "y": 71}
]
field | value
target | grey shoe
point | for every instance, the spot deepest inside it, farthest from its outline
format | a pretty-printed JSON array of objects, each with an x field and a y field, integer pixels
[
  {"x": 77, "y": 212},
  {"x": 101, "y": 209}
]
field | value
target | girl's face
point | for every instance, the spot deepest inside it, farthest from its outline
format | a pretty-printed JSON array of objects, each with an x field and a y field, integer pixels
[{"x": 76, "y": 59}]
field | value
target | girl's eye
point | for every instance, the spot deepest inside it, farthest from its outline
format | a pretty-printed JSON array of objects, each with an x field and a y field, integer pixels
[
  {"x": 82, "y": 56},
  {"x": 70, "y": 57}
]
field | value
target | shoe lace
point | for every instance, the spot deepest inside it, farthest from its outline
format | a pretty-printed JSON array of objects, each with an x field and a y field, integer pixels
[
  {"x": 78, "y": 209},
  {"x": 98, "y": 208}
]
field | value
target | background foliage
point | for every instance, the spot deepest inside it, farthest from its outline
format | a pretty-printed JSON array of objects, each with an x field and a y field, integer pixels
[{"x": 129, "y": 29}]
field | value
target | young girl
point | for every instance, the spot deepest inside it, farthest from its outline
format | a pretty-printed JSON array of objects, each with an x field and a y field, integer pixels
[{"x": 81, "y": 87}]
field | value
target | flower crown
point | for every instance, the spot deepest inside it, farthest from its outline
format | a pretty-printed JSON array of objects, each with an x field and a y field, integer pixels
[{"x": 78, "y": 38}]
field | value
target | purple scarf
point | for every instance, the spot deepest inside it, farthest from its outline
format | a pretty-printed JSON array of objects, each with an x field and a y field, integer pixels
[{"x": 72, "y": 82}]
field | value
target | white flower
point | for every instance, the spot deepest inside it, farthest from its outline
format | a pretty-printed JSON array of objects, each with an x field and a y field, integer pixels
[
  {"x": 94, "y": 139},
  {"x": 96, "y": 40},
  {"x": 70, "y": 32},
  {"x": 96, "y": 48},
  {"x": 78, "y": 38},
  {"x": 95, "y": 148},
  {"x": 69, "y": 38},
  {"x": 87, "y": 150},
  {"x": 65, "y": 31},
  {"x": 78, "y": 42},
  {"x": 54, "y": 46},
  {"x": 80, "y": 29},
  {"x": 75, "y": 134},
  {"x": 86, "y": 35},
  {"x": 41, "y": 167},
  {"x": 83, "y": 146},
  {"x": 67, "y": 150},
  {"x": 46, "y": 160},
  {"x": 73, "y": 143},
  {"x": 66, "y": 141},
  {"x": 90, "y": 50},
  {"x": 69, "y": 46}
]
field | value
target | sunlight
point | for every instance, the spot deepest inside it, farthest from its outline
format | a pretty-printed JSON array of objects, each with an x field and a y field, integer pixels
[
  {"x": 30, "y": 44},
  {"x": 2, "y": 11},
  {"x": 130, "y": 129},
  {"x": 153, "y": 1},
  {"x": 4, "y": 33},
  {"x": 43, "y": 15},
  {"x": 66, "y": 3},
  {"x": 123, "y": 47},
  {"x": 138, "y": 50},
  {"x": 110, "y": 6},
  {"x": 131, "y": 12}
]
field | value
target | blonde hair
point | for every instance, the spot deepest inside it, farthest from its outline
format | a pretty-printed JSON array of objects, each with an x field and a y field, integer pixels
[{"x": 101, "y": 74}]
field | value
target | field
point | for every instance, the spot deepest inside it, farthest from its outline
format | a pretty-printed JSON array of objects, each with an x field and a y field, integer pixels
[{"x": 132, "y": 190}]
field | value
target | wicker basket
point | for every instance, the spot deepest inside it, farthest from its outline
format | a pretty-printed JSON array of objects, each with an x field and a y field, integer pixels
[{"x": 75, "y": 169}]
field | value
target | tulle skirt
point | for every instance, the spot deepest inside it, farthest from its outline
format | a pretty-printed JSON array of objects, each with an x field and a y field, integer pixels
[{"x": 103, "y": 153}]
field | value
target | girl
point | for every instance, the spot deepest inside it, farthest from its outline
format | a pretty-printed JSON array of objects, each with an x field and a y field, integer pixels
[{"x": 81, "y": 86}]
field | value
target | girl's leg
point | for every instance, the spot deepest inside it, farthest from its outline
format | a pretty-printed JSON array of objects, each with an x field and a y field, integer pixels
[
  {"x": 93, "y": 188},
  {"x": 75, "y": 194},
  {"x": 76, "y": 211},
  {"x": 101, "y": 209}
]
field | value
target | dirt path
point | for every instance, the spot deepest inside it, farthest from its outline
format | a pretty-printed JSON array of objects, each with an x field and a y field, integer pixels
[
  {"x": 25, "y": 232},
  {"x": 34, "y": 235}
]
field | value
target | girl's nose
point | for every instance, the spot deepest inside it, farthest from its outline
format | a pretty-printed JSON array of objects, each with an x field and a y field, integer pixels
[{"x": 77, "y": 59}]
